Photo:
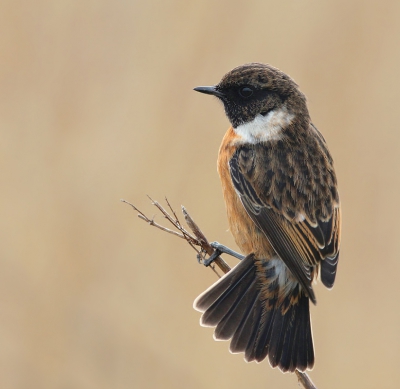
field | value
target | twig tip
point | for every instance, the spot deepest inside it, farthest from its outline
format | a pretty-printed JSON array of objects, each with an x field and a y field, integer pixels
[{"x": 152, "y": 201}]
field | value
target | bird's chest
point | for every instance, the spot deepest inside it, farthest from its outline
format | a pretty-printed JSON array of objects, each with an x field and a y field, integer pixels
[{"x": 247, "y": 235}]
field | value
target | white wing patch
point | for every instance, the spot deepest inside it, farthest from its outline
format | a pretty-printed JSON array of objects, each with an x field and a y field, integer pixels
[
  {"x": 264, "y": 128},
  {"x": 283, "y": 275}
]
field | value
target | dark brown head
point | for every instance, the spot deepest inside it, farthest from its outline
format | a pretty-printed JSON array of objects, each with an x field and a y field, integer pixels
[{"x": 255, "y": 88}]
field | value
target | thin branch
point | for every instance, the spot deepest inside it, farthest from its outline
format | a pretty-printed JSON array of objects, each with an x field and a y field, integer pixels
[
  {"x": 305, "y": 380},
  {"x": 152, "y": 222},
  {"x": 203, "y": 241},
  {"x": 198, "y": 239}
]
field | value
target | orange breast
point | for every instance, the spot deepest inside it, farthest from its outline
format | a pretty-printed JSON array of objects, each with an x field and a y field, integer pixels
[{"x": 246, "y": 234}]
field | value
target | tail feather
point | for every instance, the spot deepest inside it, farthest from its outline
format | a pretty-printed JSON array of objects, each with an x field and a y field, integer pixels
[
  {"x": 305, "y": 353},
  {"x": 260, "y": 324},
  {"x": 232, "y": 320},
  {"x": 292, "y": 346},
  {"x": 289, "y": 355},
  {"x": 230, "y": 299},
  {"x": 253, "y": 325},
  {"x": 262, "y": 348},
  {"x": 208, "y": 297},
  {"x": 242, "y": 335},
  {"x": 279, "y": 330}
]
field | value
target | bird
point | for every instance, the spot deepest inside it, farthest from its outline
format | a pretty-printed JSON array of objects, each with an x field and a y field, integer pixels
[{"x": 282, "y": 202}]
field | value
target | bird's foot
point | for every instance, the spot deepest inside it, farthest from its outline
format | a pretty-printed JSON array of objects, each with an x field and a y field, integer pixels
[
  {"x": 218, "y": 250},
  {"x": 226, "y": 250}
]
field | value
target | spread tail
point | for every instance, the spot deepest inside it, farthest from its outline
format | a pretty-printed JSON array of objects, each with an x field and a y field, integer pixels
[{"x": 260, "y": 317}]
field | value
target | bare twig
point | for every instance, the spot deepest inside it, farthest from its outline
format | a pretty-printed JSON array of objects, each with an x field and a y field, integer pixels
[
  {"x": 305, "y": 380},
  {"x": 152, "y": 222},
  {"x": 203, "y": 241},
  {"x": 199, "y": 239}
]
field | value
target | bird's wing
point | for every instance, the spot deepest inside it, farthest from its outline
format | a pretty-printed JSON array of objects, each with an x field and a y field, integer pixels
[{"x": 293, "y": 199}]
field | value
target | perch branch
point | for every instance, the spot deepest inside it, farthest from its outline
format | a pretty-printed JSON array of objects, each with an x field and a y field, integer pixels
[
  {"x": 305, "y": 380},
  {"x": 198, "y": 239}
]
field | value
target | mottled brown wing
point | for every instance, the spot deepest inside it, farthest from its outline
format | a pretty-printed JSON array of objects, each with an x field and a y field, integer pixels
[{"x": 290, "y": 193}]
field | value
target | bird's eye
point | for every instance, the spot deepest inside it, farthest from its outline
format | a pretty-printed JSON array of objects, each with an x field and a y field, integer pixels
[{"x": 245, "y": 92}]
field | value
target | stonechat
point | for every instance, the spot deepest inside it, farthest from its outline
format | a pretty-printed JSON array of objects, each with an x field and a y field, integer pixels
[{"x": 283, "y": 208}]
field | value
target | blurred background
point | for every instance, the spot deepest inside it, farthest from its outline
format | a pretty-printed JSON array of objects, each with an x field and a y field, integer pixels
[{"x": 96, "y": 104}]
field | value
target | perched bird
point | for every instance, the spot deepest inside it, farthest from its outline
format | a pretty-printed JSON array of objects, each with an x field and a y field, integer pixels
[{"x": 283, "y": 209}]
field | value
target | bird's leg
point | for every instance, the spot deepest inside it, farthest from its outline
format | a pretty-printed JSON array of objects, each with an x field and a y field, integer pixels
[
  {"x": 221, "y": 249},
  {"x": 226, "y": 250}
]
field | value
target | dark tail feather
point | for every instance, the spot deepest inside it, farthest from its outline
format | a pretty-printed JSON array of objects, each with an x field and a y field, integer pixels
[
  {"x": 328, "y": 270},
  {"x": 249, "y": 310}
]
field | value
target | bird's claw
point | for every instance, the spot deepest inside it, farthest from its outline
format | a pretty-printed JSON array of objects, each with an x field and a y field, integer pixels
[{"x": 212, "y": 258}]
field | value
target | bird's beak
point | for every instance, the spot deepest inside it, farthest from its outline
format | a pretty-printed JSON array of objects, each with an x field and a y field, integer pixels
[{"x": 209, "y": 90}]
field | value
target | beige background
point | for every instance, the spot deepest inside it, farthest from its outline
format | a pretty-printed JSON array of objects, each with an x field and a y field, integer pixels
[{"x": 96, "y": 104}]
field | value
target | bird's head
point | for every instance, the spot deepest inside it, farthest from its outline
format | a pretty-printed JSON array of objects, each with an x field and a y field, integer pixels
[{"x": 256, "y": 89}]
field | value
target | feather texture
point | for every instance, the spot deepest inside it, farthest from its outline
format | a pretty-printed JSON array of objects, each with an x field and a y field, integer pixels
[
  {"x": 246, "y": 305},
  {"x": 294, "y": 204}
]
